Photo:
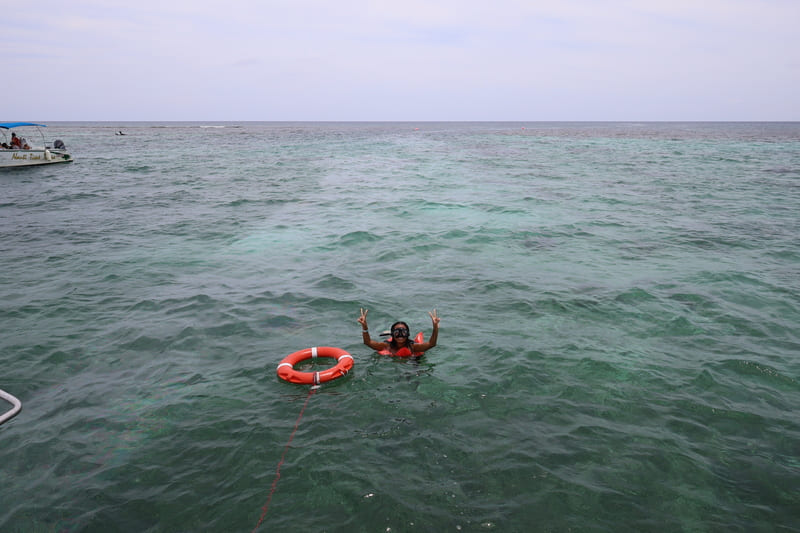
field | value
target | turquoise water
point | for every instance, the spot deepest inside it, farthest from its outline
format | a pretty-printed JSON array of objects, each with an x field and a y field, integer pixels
[{"x": 618, "y": 350}]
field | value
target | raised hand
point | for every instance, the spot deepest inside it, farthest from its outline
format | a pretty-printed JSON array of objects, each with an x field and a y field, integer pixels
[{"x": 434, "y": 318}]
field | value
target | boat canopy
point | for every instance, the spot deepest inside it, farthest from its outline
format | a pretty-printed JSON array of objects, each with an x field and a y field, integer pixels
[{"x": 9, "y": 125}]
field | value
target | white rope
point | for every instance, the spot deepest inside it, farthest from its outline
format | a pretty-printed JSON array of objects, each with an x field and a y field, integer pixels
[{"x": 14, "y": 410}]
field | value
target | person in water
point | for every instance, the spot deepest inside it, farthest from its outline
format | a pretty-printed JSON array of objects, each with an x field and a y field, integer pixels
[{"x": 400, "y": 343}]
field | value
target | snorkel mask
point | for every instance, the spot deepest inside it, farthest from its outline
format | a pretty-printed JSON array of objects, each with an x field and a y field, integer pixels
[{"x": 400, "y": 332}]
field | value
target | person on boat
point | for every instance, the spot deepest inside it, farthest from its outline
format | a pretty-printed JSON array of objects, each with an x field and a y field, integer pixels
[
  {"x": 15, "y": 142},
  {"x": 400, "y": 343}
]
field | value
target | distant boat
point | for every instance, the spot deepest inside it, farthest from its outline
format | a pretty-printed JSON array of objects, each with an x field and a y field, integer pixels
[
  {"x": 18, "y": 152},
  {"x": 119, "y": 133}
]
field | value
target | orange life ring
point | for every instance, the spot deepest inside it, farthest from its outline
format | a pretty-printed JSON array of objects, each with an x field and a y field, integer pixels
[{"x": 287, "y": 372}]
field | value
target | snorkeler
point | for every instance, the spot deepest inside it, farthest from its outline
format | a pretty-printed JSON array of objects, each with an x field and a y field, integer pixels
[{"x": 400, "y": 343}]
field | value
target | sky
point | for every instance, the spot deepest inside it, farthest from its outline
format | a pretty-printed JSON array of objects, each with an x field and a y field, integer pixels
[{"x": 401, "y": 60}]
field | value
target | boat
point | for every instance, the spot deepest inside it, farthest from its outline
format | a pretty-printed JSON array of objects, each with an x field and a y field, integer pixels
[{"x": 19, "y": 152}]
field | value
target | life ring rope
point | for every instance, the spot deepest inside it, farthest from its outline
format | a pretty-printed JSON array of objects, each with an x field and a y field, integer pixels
[{"x": 344, "y": 363}]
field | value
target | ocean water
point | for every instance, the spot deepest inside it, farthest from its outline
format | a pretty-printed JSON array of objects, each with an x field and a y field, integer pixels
[{"x": 619, "y": 346}]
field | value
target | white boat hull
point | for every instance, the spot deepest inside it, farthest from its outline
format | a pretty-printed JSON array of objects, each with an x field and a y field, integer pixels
[{"x": 27, "y": 158}]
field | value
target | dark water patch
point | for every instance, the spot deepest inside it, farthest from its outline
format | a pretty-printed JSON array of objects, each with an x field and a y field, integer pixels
[
  {"x": 332, "y": 282},
  {"x": 358, "y": 237},
  {"x": 677, "y": 326},
  {"x": 144, "y": 343},
  {"x": 140, "y": 169},
  {"x": 536, "y": 243},
  {"x": 698, "y": 303},
  {"x": 636, "y": 296}
]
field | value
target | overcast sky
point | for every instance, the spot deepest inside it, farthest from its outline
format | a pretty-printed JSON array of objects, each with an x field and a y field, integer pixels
[{"x": 412, "y": 60}]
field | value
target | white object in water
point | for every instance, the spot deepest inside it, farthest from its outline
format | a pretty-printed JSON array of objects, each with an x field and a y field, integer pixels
[{"x": 14, "y": 410}]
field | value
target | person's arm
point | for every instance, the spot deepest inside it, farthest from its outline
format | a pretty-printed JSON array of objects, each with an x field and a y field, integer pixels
[
  {"x": 425, "y": 346},
  {"x": 375, "y": 345}
]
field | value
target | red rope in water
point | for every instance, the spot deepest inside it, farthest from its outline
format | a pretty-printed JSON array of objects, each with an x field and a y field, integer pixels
[{"x": 280, "y": 463}]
